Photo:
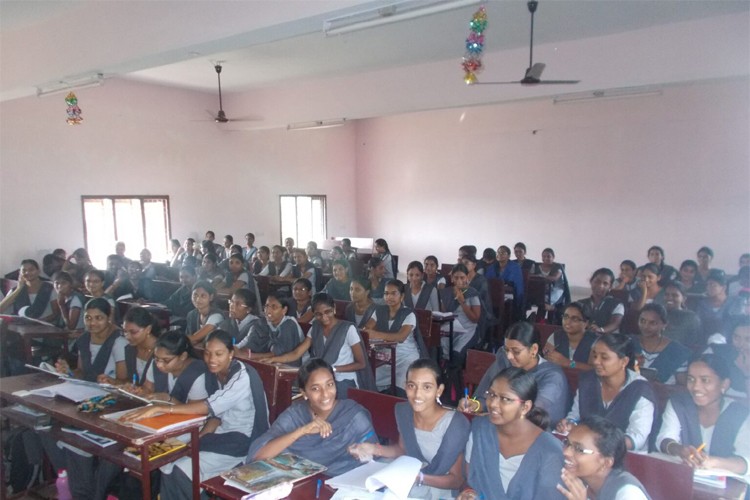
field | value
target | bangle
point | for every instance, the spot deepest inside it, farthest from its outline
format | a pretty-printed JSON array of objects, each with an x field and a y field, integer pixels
[
  {"x": 572, "y": 363},
  {"x": 170, "y": 409}
]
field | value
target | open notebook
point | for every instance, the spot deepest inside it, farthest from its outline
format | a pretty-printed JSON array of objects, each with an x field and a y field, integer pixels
[{"x": 396, "y": 477}]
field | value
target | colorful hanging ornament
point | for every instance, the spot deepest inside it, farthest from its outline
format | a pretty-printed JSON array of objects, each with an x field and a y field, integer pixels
[
  {"x": 472, "y": 60},
  {"x": 74, "y": 112}
]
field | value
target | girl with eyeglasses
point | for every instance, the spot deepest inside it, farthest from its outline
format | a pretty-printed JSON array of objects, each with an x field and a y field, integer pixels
[
  {"x": 571, "y": 346},
  {"x": 274, "y": 334},
  {"x": 176, "y": 375},
  {"x": 594, "y": 452},
  {"x": 141, "y": 330},
  {"x": 338, "y": 343},
  {"x": 301, "y": 305},
  {"x": 508, "y": 454}
]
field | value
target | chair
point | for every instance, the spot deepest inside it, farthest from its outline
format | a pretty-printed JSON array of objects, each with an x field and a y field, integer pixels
[
  {"x": 536, "y": 293},
  {"x": 477, "y": 363},
  {"x": 445, "y": 270},
  {"x": 545, "y": 332},
  {"x": 381, "y": 408},
  {"x": 572, "y": 374},
  {"x": 629, "y": 324},
  {"x": 264, "y": 286},
  {"x": 340, "y": 308},
  {"x": 662, "y": 479},
  {"x": 621, "y": 295},
  {"x": 501, "y": 313},
  {"x": 424, "y": 324}
]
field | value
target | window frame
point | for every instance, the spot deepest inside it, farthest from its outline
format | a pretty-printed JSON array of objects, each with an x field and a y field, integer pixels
[{"x": 322, "y": 197}]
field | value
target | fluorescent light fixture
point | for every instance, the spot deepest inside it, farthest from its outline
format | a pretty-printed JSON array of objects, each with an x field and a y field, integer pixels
[
  {"x": 391, "y": 13},
  {"x": 606, "y": 95},
  {"x": 68, "y": 84},
  {"x": 316, "y": 124}
]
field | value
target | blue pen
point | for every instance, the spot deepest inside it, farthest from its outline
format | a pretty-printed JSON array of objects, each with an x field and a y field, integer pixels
[
  {"x": 317, "y": 488},
  {"x": 367, "y": 436},
  {"x": 135, "y": 379}
]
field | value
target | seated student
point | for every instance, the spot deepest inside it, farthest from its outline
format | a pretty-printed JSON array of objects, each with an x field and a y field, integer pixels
[
  {"x": 232, "y": 250},
  {"x": 613, "y": 390},
  {"x": 431, "y": 274},
  {"x": 571, "y": 346},
  {"x": 176, "y": 252},
  {"x": 350, "y": 253},
  {"x": 648, "y": 289},
  {"x": 321, "y": 427},
  {"x": 313, "y": 254},
  {"x": 519, "y": 250},
  {"x": 249, "y": 251},
  {"x": 237, "y": 412},
  {"x": 705, "y": 255},
  {"x": 289, "y": 249},
  {"x": 335, "y": 254},
  {"x": 664, "y": 272},
  {"x": 714, "y": 309},
  {"x": 241, "y": 315},
  {"x": 274, "y": 334},
  {"x": 478, "y": 283},
  {"x": 148, "y": 270},
  {"x": 176, "y": 375},
  {"x": 51, "y": 263},
  {"x": 553, "y": 273},
  {"x": 261, "y": 260},
  {"x": 381, "y": 251},
  {"x": 361, "y": 308},
  {"x": 303, "y": 269},
  {"x": 683, "y": 325},
  {"x": 703, "y": 417},
  {"x": 604, "y": 311},
  {"x": 522, "y": 351},
  {"x": 190, "y": 251},
  {"x": 301, "y": 304},
  {"x": 464, "y": 302},
  {"x": 658, "y": 352},
  {"x": 120, "y": 252},
  {"x": 210, "y": 271},
  {"x": 508, "y": 454},
  {"x": 131, "y": 283},
  {"x": 94, "y": 283},
  {"x": 594, "y": 452},
  {"x": 737, "y": 356},
  {"x": 77, "y": 265},
  {"x": 395, "y": 322},
  {"x": 338, "y": 287},
  {"x": 420, "y": 295},
  {"x": 180, "y": 303},
  {"x": 489, "y": 258},
  {"x": 338, "y": 343},
  {"x": 509, "y": 272},
  {"x": 277, "y": 266},
  {"x": 69, "y": 301},
  {"x": 115, "y": 269},
  {"x": 690, "y": 278},
  {"x": 141, "y": 330},
  {"x": 429, "y": 432},
  {"x": 206, "y": 317},
  {"x": 32, "y": 297},
  {"x": 627, "y": 279},
  {"x": 237, "y": 277},
  {"x": 740, "y": 283},
  {"x": 377, "y": 280}
]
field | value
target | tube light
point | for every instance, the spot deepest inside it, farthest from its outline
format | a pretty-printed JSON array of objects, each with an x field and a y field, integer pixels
[
  {"x": 69, "y": 84},
  {"x": 316, "y": 124},
  {"x": 391, "y": 13},
  {"x": 606, "y": 95}
]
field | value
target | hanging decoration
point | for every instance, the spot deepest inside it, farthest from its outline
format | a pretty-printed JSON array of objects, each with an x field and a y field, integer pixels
[
  {"x": 472, "y": 60},
  {"x": 74, "y": 112}
]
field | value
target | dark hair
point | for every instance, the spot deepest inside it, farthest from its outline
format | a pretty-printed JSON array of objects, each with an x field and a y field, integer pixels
[
  {"x": 658, "y": 249},
  {"x": 237, "y": 256},
  {"x": 523, "y": 384},
  {"x": 190, "y": 240},
  {"x": 189, "y": 270},
  {"x": 470, "y": 258},
  {"x": 375, "y": 262},
  {"x": 236, "y": 250},
  {"x": 175, "y": 342},
  {"x": 459, "y": 268},
  {"x": 524, "y": 332},
  {"x": 99, "y": 303},
  {"x": 605, "y": 271},
  {"x": 415, "y": 264},
  {"x": 205, "y": 285},
  {"x": 229, "y": 237},
  {"x": 520, "y": 245},
  {"x": 718, "y": 276},
  {"x": 278, "y": 297},
  {"x": 398, "y": 284},
  {"x": 489, "y": 253},
  {"x": 62, "y": 276},
  {"x": 629, "y": 263},
  {"x": 621, "y": 345},
  {"x": 657, "y": 309},
  {"x": 717, "y": 363},
  {"x": 208, "y": 248},
  {"x": 744, "y": 256},
  {"x": 610, "y": 440},
  {"x": 95, "y": 272},
  {"x": 428, "y": 364},
  {"x": 707, "y": 250},
  {"x": 433, "y": 259},
  {"x": 308, "y": 368},
  {"x": 247, "y": 297},
  {"x": 361, "y": 281},
  {"x": 279, "y": 248},
  {"x": 323, "y": 298},
  {"x": 222, "y": 336},
  {"x": 504, "y": 248},
  {"x": 346, "y": 241},
  {"x": 59, "y": 252},
  {"x": 81, "y": 253},
  {"x": 689, "y": 263},
  {"x": 211, "y": 256},
  {"x": 650, "y": 267},
  {"x": 265, "y": 249},
  {"x": 30, "y": 262},
  {"x": 113, "y": 257},
  {"x": 141, "y": 317},
  {"x": 549, "y": 251},
  {"x": 175, "y": 242},
  {"x": 382, "y": 243},
  {"x": 578, "y": 307},
  {"x": 468, "y": 250},
  {"x": 304, "y": 282},
  {"x": 676, "y": 285},
  {"x": 251, "y": 235},
  {"x": 343, "y": 263},
  {"x": 211, "y": 233},
  {"x": 135, "y": 263}
]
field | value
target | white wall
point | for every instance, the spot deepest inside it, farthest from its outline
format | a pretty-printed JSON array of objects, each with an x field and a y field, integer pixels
[
  {"x": 140, "y": 139},
  {"x": 598, "y": 182}
]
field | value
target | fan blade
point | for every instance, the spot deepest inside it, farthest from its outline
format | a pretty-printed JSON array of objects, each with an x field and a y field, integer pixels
[
  {"x": 559, "y": 82},
  {"x": 535, "y": 71},
  {"x": 495, "y": 83}
]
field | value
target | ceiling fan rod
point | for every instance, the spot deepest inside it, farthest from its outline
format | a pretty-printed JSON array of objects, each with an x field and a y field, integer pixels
[
  {"x": 532, "y": 8},
  {"x": 218, "y": 75}
]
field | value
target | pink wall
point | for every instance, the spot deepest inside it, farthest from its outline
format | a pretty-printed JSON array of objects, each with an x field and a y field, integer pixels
[{"x": 599, "y": 182}]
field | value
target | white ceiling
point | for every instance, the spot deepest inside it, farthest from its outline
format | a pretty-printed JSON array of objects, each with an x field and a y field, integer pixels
[{"x": 271, "y": 44}]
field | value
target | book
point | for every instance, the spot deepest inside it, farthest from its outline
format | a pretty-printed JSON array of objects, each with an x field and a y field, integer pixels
[
  {"x": 262, "y": 475},
  {"x": 142, "y": 399},
  {"x": 90, "y": 436},
  {"x": 71, "y": 391},
  {"x": 397, "y": 477},
  {"x": 164, "y": 422},
  {"x": 29, "y": 415},
  {"x": 156, "y": 450}
]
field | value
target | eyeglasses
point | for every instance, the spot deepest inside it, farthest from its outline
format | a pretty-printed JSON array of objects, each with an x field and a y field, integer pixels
[
  {"x": 236, "y": 303},
  {"x": 328, "y": 312},
  {"x": 164, "y": 361},
  {"x": 491, "y": 397},
  {"x": 272, "y": 307},
  {"x": 574, "y": 319},
  {"x": 580, "y": 450}
]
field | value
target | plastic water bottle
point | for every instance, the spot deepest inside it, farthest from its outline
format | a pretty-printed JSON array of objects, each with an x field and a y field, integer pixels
[{"x": 63, "y": 490}]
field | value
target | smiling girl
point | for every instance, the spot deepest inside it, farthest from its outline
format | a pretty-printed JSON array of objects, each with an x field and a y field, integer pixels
[{"x": 206, "y": 317}]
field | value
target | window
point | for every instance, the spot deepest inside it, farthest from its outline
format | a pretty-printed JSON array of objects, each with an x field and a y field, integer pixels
[
  {"x": 303, "y": 217},
  {"x": 138, "y": 221}
]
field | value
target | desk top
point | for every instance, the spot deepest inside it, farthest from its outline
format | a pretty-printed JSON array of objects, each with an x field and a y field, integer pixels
[
  {"x": 303, "y": 490},
  {"x": 28, "y": 327}
]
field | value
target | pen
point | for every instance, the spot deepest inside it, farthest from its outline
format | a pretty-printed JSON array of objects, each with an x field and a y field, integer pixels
[
  {"x": 135, "y": 379},
  {"x": 317, "y": 488},
  {"x": 367, "y": 436},
  {"x": 700, "y": 448}
]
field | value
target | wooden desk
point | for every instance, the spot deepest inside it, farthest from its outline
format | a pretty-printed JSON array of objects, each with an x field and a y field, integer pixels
[
  {"x": 64, "y": 413},
  {"x": 375, "y": 361},
  {"x": 277, "y": 384},
  {"x": 303, "y": 490},
  {"x": 439, "y": 321},
  {"x": 29, "y": 330}
]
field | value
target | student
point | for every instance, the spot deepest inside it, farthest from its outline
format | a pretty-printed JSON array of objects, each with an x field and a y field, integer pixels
[
  {"x": 50, "y": 265},
  {"x": 479, "y": 283},
  {"x": 553, "y": 273},
  {"x": 261, "y": 260},
  {"x": 420, "y": 295},
  {"x": 289, "y": 249},
  {"x": 604, "y": 311},
  {"x": 704, "y": 417},
  {"x": 664, "y": 272},
  {"x": 350, "y": 253},
  {"x": 249, "y": 252},
  {"x": 177, "y": 252},
  {"x": 613, "y": 390},
  {"x": 361, "y": 308},
  {"x": 237, "y": 277},
  {"x": 489, "y": 258},
  {"x": 210, "y": 271},
  {"x": 237, "y": 413},
  {"x": 276, "y": 333},
  {"x": 32, "y": 297},
  {"x": 313, "y": 254},
  {"x": 429, "y": 432},
  {"x": 301, "y": 304},
  {"x": 338, "y": 287},
  {"x": 508, "y": 454},
  {"x": 705, "y": 256},
  {"x": 683, "y": 325},
  {"x": 377, "y": 280},
  {"x": 190, "y": 251},
  {"x": 714, "y": 309},
  {"x": 690, "y": 278},
  {"x": 94, "y": 283},
  {"x": 77, "y": 265},
  {"x": 176, "y": 375},
  {"x": 464, "y": 302},
  {"x": 737, "y": 357},
  {"x": 206, "y": 317},
  {"x": 148, "y": 271},
  {"x": 509, "y": 272},
  {"x": 338, "y": 343},
  {"x": 658, "y": 352},
  {"x": 395, "y": 322},
  {"x": 180, "y": 303},
  {"x": 648, "y": 287},
  {"x": 382, "y": 251},
  {"x": 431, "y": 274},
  {"x": 131, "y": 283},
  {"x": 120, "y": 252},
  {"x": 626, "y": 280},
  {"x": 594, "y": 452},
  {"x": 303, "y": 269},
  {"x": 69, "y": 301},
  {"x": 519, "y": 250},
  {"x": 225, "y": 250},
  {"x": 241, "y": 315},
  {"x": 522, "y": 351},
  {"x": 319, "y": 428},
  {"x": 277, "y": 266},
  {"x": 571, "y": 347},
  {"x": 141, "y": 329}
]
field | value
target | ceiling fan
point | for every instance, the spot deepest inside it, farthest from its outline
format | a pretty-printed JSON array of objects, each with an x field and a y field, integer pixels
[
  {"x": 534, "y": 71},
  {"x": 221, "y": 116}
]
